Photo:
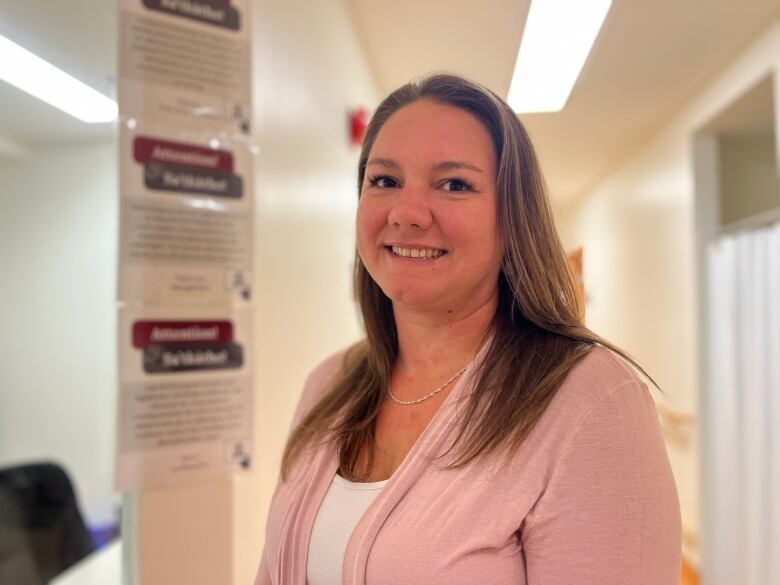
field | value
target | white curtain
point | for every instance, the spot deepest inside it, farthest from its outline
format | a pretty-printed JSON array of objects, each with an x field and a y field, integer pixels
[{"x": 742, "y": 411}]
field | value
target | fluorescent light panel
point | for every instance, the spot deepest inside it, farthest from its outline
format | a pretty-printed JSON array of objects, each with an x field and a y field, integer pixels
[
  {"x": 556, "y": 41},
  {"x": 39, "y": 78}
]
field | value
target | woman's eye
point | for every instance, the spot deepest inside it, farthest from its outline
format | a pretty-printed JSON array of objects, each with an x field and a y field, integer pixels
[
  {"x": 383, "y": 182},
  {"x": 457, "y": 186}
]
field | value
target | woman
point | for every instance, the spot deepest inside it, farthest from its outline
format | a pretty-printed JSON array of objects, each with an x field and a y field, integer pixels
[{"x": 480, "y": 433}]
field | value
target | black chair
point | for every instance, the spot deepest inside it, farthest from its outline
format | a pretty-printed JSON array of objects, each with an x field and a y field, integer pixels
[{"x": 42, "y": 532}]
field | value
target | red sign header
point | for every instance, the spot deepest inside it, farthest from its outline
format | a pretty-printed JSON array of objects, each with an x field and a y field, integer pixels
[{"x": 170, "y": 332}]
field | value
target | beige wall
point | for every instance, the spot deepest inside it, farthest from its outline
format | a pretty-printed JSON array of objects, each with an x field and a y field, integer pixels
[
  {"x": 638, "y": 229},
  {"x": 306, "y": 77}
]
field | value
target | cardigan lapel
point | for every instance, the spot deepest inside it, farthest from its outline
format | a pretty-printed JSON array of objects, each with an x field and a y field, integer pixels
[
  {"x": 416, "y": 461},
  {"x": 313, "y": 486}
]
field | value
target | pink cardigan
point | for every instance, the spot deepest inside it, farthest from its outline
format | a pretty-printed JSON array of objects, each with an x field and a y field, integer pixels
[{"x": 589, "y": 499}]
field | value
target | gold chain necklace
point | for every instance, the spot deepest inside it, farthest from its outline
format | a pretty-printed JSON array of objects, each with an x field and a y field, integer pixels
[{"x": 427, "y": 396}]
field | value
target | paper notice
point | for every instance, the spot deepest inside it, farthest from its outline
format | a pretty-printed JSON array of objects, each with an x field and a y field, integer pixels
[
  {"x": 185, "y": 60},
  {"x": 185, "y": 241},
  {"x": 185, "y": 396},
  {"x": 171, "y": 253},
  {"x": 185, "y": 230}
]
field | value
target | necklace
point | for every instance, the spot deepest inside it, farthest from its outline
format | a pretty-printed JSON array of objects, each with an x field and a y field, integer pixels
[{"x": 427, "y": 396}]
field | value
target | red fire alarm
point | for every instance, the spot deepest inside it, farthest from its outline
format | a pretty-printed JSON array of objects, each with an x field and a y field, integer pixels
[{"x": 358, "y": 121}]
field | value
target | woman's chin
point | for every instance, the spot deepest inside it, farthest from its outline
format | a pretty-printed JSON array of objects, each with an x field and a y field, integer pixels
[{"x": 415, "y": 298}]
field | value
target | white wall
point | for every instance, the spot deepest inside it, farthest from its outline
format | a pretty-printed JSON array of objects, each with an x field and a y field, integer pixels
[
  {"x": 640, "y": 254},
  {"x": 58, "y": 268},
  {"x": 308, "y": 70}
]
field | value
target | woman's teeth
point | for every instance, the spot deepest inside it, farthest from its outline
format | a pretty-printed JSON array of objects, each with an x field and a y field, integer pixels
[{"x": 415, "y": 253}]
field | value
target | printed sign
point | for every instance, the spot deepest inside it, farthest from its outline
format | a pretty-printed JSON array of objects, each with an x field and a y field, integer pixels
[
  {"x": 161, "y": 167},
  {"x": 185, "y": 241},
  {"x": 185, "y": 231},
  {"x": 183, "y": 346},
  {"x": 187, "y": 168},
  {"x": 185, "y": 395},
  {"x": 185, "y": 62}
]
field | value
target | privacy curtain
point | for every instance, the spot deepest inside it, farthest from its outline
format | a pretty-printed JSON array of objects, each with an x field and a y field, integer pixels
[{"x": 742, "y": 410}]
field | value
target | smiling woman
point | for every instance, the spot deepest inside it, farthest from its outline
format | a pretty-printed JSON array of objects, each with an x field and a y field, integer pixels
[
  {"x": 480, "y": 433},
  {"x": 429, "y": 192}
]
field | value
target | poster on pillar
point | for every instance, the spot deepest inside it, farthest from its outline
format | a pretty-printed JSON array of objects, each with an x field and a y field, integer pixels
[
  {"x": 185, "y": 395},
  {"x": 186, "y": 63},
  {"x": 185, "y": 230}
]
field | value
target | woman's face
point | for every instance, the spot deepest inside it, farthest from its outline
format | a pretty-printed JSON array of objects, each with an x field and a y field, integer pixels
[{"x": 426, "y": 222}]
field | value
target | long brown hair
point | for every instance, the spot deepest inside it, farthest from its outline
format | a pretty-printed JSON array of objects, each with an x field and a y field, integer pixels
[{"x": 538, "y": 334}]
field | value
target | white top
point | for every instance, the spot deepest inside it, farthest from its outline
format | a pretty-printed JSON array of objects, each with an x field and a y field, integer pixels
[{"x": 342, "y": 507}]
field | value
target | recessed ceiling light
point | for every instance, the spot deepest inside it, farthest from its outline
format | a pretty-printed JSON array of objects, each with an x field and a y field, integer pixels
[
  {"x": 556, "y": 41},
  {"x": 41, "y": 79}
]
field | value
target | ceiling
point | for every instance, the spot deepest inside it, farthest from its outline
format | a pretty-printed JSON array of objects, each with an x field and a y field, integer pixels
[
  {"x": 650, "y": 57},
  {"x": 78, "y": 36}
]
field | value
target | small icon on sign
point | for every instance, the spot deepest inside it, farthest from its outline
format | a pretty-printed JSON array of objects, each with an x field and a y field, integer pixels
[
  {"x": 240, "y": 282},
  {"x": 240, "y": 116},
  {"x": 238, "y": 453}
]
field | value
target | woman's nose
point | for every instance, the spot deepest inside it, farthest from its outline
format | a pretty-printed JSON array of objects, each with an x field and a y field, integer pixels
[{"x": 411, "y": 209}]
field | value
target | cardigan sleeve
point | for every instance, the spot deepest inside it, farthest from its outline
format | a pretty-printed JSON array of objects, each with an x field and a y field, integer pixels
[
  {"x": 263, "y": 576},
  {"x": 609, "y": 514}
]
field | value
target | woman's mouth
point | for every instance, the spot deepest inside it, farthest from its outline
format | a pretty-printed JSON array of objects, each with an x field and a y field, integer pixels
[{"x": 421, "y": 253}]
